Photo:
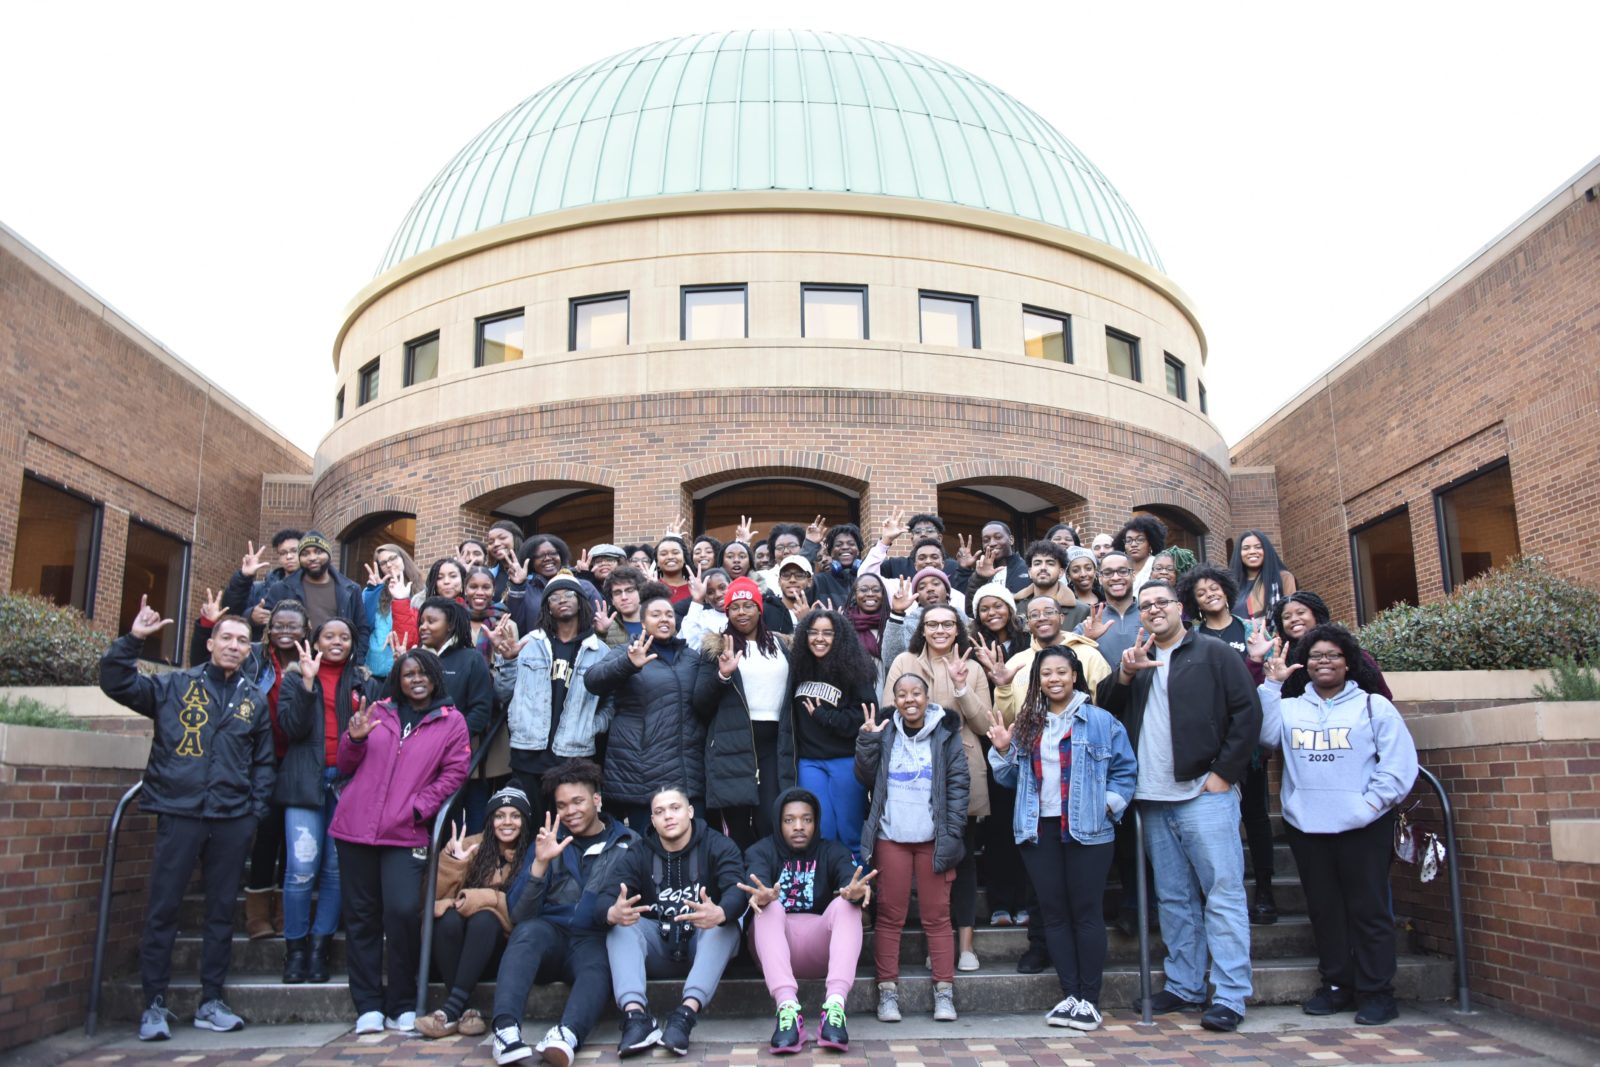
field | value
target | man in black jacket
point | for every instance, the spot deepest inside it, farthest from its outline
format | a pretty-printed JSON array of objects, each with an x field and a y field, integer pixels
[
  {"x": 324, "y": 591},
  {"x": 674, "y": 912},
  {"x": 208, "y": 782},
  {"x": 247, "y": 589},
  {"x": 1193, "y": 716}
]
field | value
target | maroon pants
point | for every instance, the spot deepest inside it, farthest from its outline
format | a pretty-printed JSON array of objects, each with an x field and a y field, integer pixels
[{"x": 897, "y": 865}]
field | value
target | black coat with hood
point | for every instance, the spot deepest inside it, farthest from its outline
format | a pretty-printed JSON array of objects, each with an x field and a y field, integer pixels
[
  {"x": 951, "y": 785},
  {"x": 347, "y": 596},
  {"x": 710, "y": 861},
  {"x": 470, "y": 685},
  {"x": 732, "y": 777},
  {"x": 301, "y": 720},
  {"x": 807, "y": 880},
  {"x": 655, "y": 737}
]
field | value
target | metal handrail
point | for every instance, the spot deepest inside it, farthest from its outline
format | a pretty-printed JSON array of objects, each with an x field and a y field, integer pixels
[
  {"x": 103, "y": 927},
  {"x": 430, "y": 885},
  {"x": 1463, "y": 988},
  {"x": 1143, "y": 892}
]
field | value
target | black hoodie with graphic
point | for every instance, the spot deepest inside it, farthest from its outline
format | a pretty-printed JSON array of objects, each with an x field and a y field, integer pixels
[
  {"x": 807, "y": 881},
  {"x": 710, "y": 862}
]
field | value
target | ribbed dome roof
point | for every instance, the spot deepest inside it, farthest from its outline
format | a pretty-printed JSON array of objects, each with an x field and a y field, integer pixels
[{"x": 780, "y": 109}]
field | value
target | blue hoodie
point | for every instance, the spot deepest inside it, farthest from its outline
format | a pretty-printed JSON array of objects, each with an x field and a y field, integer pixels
[{"x": 1346, "y": 761}]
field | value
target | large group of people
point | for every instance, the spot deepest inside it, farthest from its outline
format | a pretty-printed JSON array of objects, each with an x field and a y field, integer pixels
[{"x": 671, "y": 752}]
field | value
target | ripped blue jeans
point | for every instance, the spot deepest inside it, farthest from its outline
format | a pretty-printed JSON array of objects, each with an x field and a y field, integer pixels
[{"x": 312, "y": 864}]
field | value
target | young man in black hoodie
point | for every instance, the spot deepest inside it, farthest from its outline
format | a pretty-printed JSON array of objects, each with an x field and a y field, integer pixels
[
  {"x": 674, "y": 908},
  {"x": 555, "y": 936},
  {"x": 807, "y": 894}
]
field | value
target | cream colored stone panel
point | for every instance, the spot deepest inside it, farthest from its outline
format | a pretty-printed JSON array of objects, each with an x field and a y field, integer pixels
[
  {"x": 36, "y": 746},
  {"x": 1464, "y": 685},
  {"x": 1575, "y": 840}
]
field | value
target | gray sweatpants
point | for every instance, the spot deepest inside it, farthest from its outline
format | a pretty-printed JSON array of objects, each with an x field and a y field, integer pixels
[{"x": 641, "y": 950}]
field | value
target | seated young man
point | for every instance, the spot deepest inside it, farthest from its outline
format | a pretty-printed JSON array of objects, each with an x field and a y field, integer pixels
[
  {"x": 674, "y": 906},
  {"x": 807, "y": 894},
  {"x": 555, "y": 937}
]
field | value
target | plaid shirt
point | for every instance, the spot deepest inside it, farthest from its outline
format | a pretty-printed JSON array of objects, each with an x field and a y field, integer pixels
[{"x": 1066, "y": 773}]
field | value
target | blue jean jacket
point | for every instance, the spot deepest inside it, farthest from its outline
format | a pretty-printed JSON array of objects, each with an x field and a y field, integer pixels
[{"x": 1103, "y": 775}]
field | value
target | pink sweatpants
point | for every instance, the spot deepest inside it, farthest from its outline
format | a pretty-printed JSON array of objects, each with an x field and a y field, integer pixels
[{"x": 803, "y": 945}]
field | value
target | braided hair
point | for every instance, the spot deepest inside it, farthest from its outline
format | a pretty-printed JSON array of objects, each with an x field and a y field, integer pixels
[{"x": 1036, "y": 706}]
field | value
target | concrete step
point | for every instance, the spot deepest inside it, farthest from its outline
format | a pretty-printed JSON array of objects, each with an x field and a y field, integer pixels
[
  {"x": 996, "y": 988},
  {"x": 1291, "y": 936}
]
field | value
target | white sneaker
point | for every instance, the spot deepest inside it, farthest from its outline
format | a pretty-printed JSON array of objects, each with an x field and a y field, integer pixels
[
  {"x": 508, "y": 1046},
  {"x": 944, "y": 1002},
  {"x": 370, "y": 1022},
  {"x": 1061, "y": 1014},
  {"x": 559, "y": 1046},
  {"x": 406, "y": 1021},
  {"x": 888, "y": 1002},
  {"x": 968, "y": 961}
]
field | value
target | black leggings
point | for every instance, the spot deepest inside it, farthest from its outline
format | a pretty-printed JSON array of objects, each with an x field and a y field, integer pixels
[
  {"x": 1071, "y": 882},
  {"x": 266, "y": 854},
  {"x": 463, "y": 949},
  {"x": 964, "y": 890},
  {"x": 1257, "y": 823},
  {"x": 381, "y": 890},
  {"x": 747, "y": 824},
  {"x": 1003, "y": 879}
]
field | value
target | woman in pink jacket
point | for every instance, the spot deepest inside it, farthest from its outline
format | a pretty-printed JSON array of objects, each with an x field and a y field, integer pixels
[{"x": 404, "y": 757}]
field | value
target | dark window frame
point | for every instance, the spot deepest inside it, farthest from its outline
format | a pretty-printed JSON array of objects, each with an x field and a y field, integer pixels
[
  {"x": 964, "y": 298},
  {"x": 1170, "y": 360},
  {"x": 411, "y": 352},
  {"x": 829, "y": 287},
  {"x": 1133, "y": 354},
  {"x": 684, "y": 291},
  {"x": 180, "y": 614},
  {"x": 372, "y": 368},
  {"x": 92, "y": 580},
  {"x": 853, "y": 511},
  {"x": 1438, "y": 514},
  {"x": 338, "y": 404},
  {"x": 490, "y": 320},
  {"x": 1066, "y": 329},
  {"x": 1355, "y": 556},
  {"x": 601, "y": 298},
  {"x": 1204, "y": 410}
]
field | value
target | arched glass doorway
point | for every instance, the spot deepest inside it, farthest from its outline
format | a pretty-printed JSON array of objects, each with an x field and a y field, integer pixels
[
  {"x": 766, "y": 501},
  {"x": 361, "y": 539},
  {"x": 581, "y": 515},
  {"x": 1183, "y": 529},
  {"x": 1023, "y": 506}
]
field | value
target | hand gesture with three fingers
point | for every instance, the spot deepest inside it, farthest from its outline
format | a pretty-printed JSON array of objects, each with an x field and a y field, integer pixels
[
  {"x": 761, "y": 894},
  {"x": 1277, "y": 666},
  {"x": 728, "y": 661},
  {"x": 900, "y": 600},
  {"x": 148, "y": 621},
  {"x": 745, "y": 531},
  {"x": 583, "y": 564},
  {"x": 456, "y": 845},
  {"x": 1096, "y": 625},
  {"x": 546, "y": 847},
  {"x": 999, "y": 732},
  {"x": 870, "y": 723},
  {"x": 627, "y": 910},
  {"x": 639, "y": 652},
  {"x": 894, "y": 527},
  {"x": 985, "y": 566},
  {"x": 503, "y": 636},
  {"x": 211, "y": 610},
  {"x": 818, "y": 527},
  {"x": 254, "y": 558},
  {"x": 399, "y": 588},
  {"x": 1259, "y": 645},
  {"x": 964, "y": 557},
  {"x": 957, "y": 667},
  {"x": 675, "y": 527},
  {"x": 309, "y": 664},
  {"x": 703, "y": 914},
  {"x": 992, "y": 658},
  {"x": 859, "y": 889},
  {"x": 516, "y": 572},
  {"x": 362, "y": 720},
  {"x": 602, "y": 617},
  {"x": 697, "y": 585},
  {"x": 1137, "y": 658}
]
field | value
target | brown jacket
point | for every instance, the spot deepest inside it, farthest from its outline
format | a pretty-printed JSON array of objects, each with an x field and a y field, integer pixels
[
  {"x": 451, "y": 889},
  {"x": 972, "y": 706}
]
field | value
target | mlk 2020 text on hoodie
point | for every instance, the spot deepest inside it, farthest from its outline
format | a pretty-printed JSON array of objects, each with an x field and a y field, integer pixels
[{"x": 1346, "y": 760}]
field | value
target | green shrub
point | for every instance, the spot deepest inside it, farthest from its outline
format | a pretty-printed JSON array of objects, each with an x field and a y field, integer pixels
[
  {"x": 26, "y": 711},
  {"x": 42, "y": 644},
  {"x": 1570, "y": 680},
  {"x": 1519, "y": 616}
]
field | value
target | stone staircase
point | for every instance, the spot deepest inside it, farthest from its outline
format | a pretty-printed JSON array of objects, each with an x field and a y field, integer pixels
[{"x": 1283, "y": 954}]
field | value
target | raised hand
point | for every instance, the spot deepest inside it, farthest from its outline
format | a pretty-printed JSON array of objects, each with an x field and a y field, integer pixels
[
  {"x": 546, "y": 847},
  {"x": 639, "y": 652},
  {"x": 603, "y": 617},
  {"x": 399, "y": 588},
  {"x": 309, "y": 664},
  {"x": 859, "y": 889},
  {"x": 697, "y": 585},
  {"x": 253, "y": 559},
  {"x": 984, "y": 567},
  {"x": 211, "y": 610},
  {"x": 148, "y": 621},
  {"x": 1278, "y": 667},
  {"x": 503, "y": 636},
  {"x": 826, "y": 604},
  {"x": 869, "y": 722},
  {"x": 728, "y": 661},
  {"x": 626, "y": 910},
  {"x": 457, "y": 845},
  {"x": 797, "y": 601},
  {"x": 992, "y": 658},
  {"x": 956, "y": 667},
  {"x": 999, "y": 732},
  {"x": 818, "y": 527},
  {"x": 1096, "y": 625},
  {"x": 516, "y": 572},
  {"x": 894, "y": 527},
  {"x": 583, "y": 562},
  {"x": 745, "y": 531},
  {"x": 362, "y": 720},
  {"x": 1259, "y": 645},
  {"x": 703, "y": 914},
  {"x": 761, "y": 894},
  {"x": 374, "y": 577},
  {"x": 675, "y": 527},
  {"x": 900, "y": 600},
  {"x": 259, "y": 615},
  {"x": 964, "y": 557},
  {"x": 399, "y": 643},
  {"x": 1138, "y": 658}
]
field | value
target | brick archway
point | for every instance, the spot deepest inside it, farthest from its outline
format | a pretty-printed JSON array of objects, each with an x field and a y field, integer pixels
[{"x": 494, "y": 488}]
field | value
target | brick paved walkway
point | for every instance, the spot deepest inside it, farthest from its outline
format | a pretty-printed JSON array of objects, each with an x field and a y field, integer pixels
[{"x": 1168, "y": 1044}]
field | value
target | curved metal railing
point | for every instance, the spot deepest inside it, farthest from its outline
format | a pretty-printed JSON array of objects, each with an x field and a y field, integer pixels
[{"x": 103, "y": 925}]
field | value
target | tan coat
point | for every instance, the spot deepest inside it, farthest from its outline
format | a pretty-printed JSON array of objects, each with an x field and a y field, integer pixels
[
  {"x": 450, "y": 889},
  {"x": 973, "y": 707}
]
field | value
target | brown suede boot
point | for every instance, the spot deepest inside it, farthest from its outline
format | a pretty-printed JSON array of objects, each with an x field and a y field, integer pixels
[
  {"x": 258, "y": 914},
  {"x": 277, "y": 912}
]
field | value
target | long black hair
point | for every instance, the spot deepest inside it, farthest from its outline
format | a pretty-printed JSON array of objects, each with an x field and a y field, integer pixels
[
  {"x": 1036, "y": 706},
  {"x": 430, "y": 667},
  {"x": 489, "y": 861},
  {"x": 1270, "y": 576},
  {"x": 761, "y": 637},
  {"x": 846, "y": 665},
  {"x": 919, "y": 640},
  {"x": 458, "y": 622},
  {"x": 1356, "y": 667},
  {"x": 547, "y": 622},
  {"x": 439, "y": 565}
]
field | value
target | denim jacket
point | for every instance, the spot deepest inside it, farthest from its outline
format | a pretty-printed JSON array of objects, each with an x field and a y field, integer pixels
[
  {"x": 523, "y": 685},
  {"x": 1103, "y": 776}
]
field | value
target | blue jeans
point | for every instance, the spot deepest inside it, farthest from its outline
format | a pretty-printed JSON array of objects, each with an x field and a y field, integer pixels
[
  {"x": 1199, "y": 866},
  {"x": 312, "y": 864},
  {"x": 844, "y": 800}
]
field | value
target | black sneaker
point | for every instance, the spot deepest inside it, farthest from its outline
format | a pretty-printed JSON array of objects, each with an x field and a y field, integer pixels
[
  {"x": 1085, "y": 1016},
  {"x": 1329, "y": 1000},
  {"x": 789, "y": 1035},
  {"x": 1377, "y": 1010},
  {"x": 675, "y": 1035},
  {"x": 832, "y": 1034},
  {"x": 1166, "y": 1002},
  {"x": 1221, "y": 1019},
  {"x": 1034, "y": 960},
  {"x": 1061, "y": 1014},
  {"x": 639, "y": 1032},
  {"x": 1264, "y": 912}
]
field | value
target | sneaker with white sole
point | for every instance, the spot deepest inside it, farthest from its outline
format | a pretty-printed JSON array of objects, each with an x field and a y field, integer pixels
[
  {"x": 369, "y": 1022},
  {"x": 639, "y": 1033},
  {"x": 888, "y": 1002},
  {"x": 944, "y": 1002},
  {"x": 405, "y": 1022},
  {"x": 217, "y": 1016},
  {"x": 509, "y": 1047},
  {"x": 968, "y": 961},
  {"x": 1085, "y": 1016},
  {"x": 1061, "y": 1014},
  {"x": 156, "y": 1022},
  {"x": 559, "y": 1046}
]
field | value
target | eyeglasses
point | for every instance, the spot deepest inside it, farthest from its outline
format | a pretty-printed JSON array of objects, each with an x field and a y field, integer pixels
[
  {"x": 1117, "y": 572},
  {"x": 949, "y": 624},
  {"x": 1324, "y": 657},
  {"x": 1159, "y": 604},
  {"x": 1037, "y": 616},
  {"x": 1133, "y": 539},
  {"x": 546, "y": 555}
]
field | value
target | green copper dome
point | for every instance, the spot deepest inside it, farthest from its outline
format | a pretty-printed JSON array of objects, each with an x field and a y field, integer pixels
[{"x": 753, "y": 110}]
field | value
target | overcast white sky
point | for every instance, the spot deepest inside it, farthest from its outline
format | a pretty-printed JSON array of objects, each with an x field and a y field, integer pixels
[{"x": 228, "y": 176}]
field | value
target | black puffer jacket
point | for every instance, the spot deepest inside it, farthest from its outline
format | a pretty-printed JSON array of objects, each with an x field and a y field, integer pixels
[
  {"x": 301, "y": 718},
  {"x": 731, "y": 774},
  {"x": 655, "y": 737},
  {"x": 951, "y": 782},
  {"x": 211, "y": 747}
]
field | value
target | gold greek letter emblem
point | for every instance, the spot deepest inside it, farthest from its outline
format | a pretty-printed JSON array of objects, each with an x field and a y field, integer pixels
[{"x": 192, "y": 716}]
